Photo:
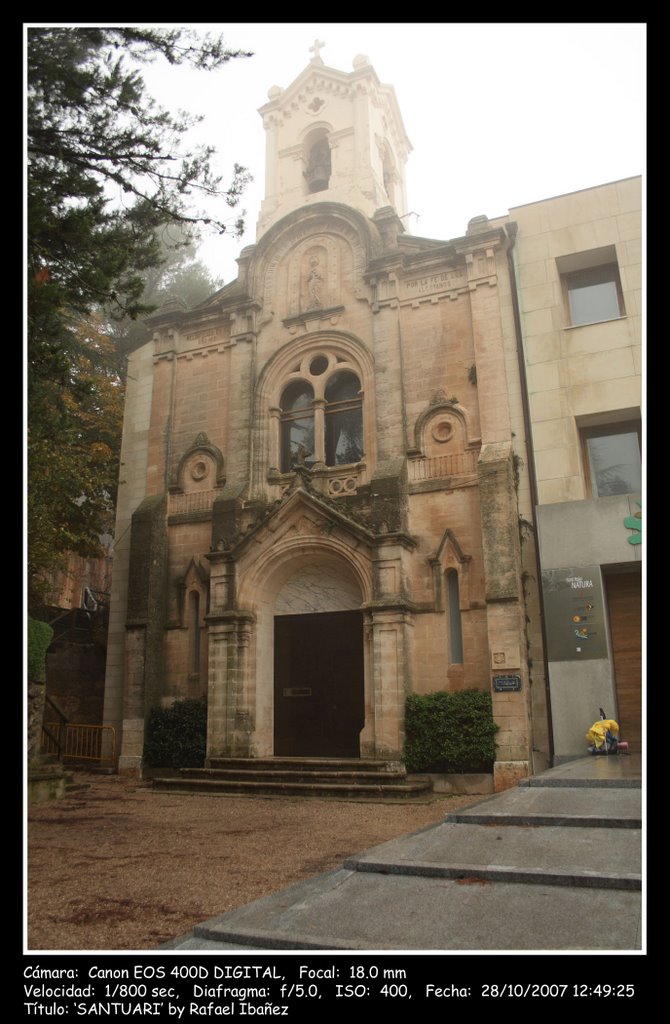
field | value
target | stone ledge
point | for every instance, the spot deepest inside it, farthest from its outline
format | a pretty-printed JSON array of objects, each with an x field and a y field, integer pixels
[
  {"x": 507, "y": 774},
  {"x": 45, "y": 784},
  {"x": 461, "y": 785}
]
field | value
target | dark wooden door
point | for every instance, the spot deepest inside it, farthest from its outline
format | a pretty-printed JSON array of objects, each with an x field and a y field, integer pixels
[
  {"x": 318, "y": 690},
  {"x": 624, "y": 603}
]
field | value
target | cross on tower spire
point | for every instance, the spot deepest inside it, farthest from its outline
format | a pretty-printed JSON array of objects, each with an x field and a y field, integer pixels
[{"x": 314, "y": 48}]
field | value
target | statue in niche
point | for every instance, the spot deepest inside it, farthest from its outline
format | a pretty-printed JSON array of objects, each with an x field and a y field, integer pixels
[
  {"x": 300, "y": 456},
  {"x": 314, "y": 281}
]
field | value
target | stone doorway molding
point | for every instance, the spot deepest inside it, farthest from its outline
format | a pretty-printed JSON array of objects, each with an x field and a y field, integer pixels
[{"x": 304, "y": 556}]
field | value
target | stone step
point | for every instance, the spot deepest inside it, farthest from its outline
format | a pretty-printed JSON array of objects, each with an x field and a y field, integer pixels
[
  {"x": 293, "y": 775},
  {"x": 348, "y": 791},
  {"x": 301, "y": 764}
]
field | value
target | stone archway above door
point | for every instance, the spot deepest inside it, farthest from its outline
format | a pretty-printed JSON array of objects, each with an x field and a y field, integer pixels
[{"x": 316, "y": 587}]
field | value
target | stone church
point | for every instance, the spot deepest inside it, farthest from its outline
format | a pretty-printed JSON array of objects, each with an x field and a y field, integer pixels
[{"x": 322, "y": 466}]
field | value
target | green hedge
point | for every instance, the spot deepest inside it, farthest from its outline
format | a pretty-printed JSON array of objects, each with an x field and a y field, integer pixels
[
  {"x": 450, "y": 732},
  {"x": 177, "y": 736},
  {"x": 40, "y": 635}
]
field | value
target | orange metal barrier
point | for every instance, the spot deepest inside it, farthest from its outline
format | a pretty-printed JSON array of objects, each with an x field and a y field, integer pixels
[{"x": 80, "y": 742}]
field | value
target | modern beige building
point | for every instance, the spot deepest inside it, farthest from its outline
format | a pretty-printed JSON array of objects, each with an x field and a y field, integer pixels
[
  {"x": 577, "y": 261},
  {"x": 325, "y": 478}
]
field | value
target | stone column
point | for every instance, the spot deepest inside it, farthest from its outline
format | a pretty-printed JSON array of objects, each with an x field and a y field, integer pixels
[
  {"x": 319, "y": 430},
  {"x": 275, "y": 438}
]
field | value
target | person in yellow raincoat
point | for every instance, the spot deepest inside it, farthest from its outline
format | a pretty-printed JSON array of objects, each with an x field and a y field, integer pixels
[{"x": 603, "y": 736}]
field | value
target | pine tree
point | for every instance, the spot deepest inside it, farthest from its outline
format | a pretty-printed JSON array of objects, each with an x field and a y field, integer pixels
[{"x": 106, "y": 172}]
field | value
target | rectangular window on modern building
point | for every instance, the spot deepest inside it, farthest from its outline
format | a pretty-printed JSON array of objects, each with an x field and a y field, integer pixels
[
  {"x": 612, "y": 458},
  {"x": 591, "y": 286}
]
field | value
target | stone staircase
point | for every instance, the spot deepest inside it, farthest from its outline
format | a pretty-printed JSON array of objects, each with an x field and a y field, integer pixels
[{"x": 346, "y": 778}]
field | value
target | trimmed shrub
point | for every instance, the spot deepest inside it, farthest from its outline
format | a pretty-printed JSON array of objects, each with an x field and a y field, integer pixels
[
  {"x": 450, "y": 732},
  {"x": 40, "y": 635},
  {"x": 177, "y": 736}
]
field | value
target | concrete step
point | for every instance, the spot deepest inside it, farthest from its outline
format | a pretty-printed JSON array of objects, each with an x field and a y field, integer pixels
[
  {"x": 614, "y": 772},
  {"x": 548, "y": 855},
  {"x": 268, "y": 787},
  {"x": 347, "y": 910},
  {"x": 575, "y": 806}
]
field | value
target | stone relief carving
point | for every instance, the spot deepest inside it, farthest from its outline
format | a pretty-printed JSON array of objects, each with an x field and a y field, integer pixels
[
  {"x": 314, "y": 284},
  {"x": 200, "y": 467},
  {"x": 285, "y": 275}
]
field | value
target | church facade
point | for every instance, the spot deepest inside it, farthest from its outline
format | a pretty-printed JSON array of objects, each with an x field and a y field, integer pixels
[{"x": 324, "y": 467}]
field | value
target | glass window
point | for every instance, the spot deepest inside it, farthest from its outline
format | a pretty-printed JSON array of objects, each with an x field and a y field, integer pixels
[
  {"x": 297, "y": 425},
  {"x": 594, "y": 295},
  {"x": 344, "y": 419},
  {"x": 455, "y": 631},
  {"x": 194, "y": 631},
  {"x": 613, "y": 455}
]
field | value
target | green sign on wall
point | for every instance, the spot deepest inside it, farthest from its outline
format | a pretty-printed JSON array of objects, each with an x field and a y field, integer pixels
[{"x": 574, "y": 613}]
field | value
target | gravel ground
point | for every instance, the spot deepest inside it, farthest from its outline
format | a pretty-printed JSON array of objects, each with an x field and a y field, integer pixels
[{"x": 117, "y": 866}]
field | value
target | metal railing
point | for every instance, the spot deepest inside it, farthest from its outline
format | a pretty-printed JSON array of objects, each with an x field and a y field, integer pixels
[{"x": 72, "y": 742}]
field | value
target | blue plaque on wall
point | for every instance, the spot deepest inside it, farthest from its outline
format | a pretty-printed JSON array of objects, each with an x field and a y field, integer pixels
[{"x": 509, "y": 684}]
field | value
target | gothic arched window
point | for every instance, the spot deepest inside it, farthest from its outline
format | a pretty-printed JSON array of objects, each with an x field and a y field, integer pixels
[
  {"x": 297, "y": 425},
  {"x": 194, "y": 632},
  {"x": 344, "y": 419},
  {"x": 455, "y": 628},
  {"x": 321, "y": 415}
]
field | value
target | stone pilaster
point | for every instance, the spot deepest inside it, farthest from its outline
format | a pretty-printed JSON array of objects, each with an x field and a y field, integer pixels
[
  {"x": 505, "y": 611},
  {"x": 231, "y": 691},
  {"x": 145, "y": 626},
  {"x": 389, "y": 633}
]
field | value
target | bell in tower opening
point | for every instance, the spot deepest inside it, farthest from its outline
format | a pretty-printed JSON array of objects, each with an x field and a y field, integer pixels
[{"x": 318, "y": 170}]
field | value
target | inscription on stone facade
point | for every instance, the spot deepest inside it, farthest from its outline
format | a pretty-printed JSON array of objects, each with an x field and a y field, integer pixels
[
  {"x": 205, "y": 337},
  {"x": 433, "y": 283}
]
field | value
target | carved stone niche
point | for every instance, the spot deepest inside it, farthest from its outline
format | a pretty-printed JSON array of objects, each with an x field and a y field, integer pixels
[
  {"x": 314, "y": 276},
  {"x": 200, "y": 468},
  {"x": 442, "y": 432}
]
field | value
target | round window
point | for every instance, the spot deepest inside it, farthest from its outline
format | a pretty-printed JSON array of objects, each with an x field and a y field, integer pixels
[
  {"x": 442, "y": 431},
  {"x": 318, "y": 366}
]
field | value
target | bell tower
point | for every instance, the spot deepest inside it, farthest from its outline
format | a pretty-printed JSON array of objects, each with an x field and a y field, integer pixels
[{"x": 333, "y": 136}]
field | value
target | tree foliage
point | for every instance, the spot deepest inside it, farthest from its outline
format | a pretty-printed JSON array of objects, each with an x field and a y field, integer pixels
[
  {"x": 180, "y": 275},
  {"x": 40, "y": 635},
  {"x": 73, "y": 451},
  {"x": 107, "y": 172}
]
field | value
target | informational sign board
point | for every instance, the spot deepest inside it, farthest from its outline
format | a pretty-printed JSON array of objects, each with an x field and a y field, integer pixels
[
  {"x": 506, "y": 684},
  {"x": 574, "y": 613}
]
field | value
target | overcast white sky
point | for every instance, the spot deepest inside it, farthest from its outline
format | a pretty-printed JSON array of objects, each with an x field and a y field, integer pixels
[{"x": 498, "y": 114}]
